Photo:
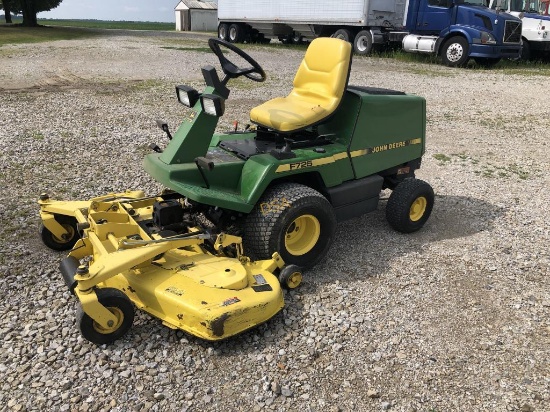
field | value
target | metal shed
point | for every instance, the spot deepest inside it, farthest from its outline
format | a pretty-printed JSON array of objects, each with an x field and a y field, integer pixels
[{"x": 196, "y": 15}]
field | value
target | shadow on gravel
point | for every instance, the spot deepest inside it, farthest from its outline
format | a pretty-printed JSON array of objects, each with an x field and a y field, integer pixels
[{"x": 365, "y": 247}]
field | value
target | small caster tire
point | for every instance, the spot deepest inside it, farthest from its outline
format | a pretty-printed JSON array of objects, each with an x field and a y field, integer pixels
[
  {"x": 120, "y": 305},
  {"x": 65, "y": 243},
  {"x": 290, "y": 277}
]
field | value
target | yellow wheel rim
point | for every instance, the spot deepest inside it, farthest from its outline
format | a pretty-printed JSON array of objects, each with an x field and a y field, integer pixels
[
  {"x": 68, "y": 236},
  {"x": 418, "y": 208},
  {"x": 119, "y": 319},
  {"x": 302, "y": 235},
  {"x": 294, "y": 280}
]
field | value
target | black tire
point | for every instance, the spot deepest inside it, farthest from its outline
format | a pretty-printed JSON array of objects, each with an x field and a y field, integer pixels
[
  {"x": 362, "y": 44},
  {"x": 487, "y": 61},
  {"x": 297, "y": 38},
  {"x": 525, "y": 53},
  {"x": 275, "y": 222},
  {"x": 223, "y": 30},
  {"x": 455, "y": 52},
  {"x": 410, "y": 205},
  {"x": 55, "y": 243},
  {"x": 119, "y": 304},
  {"x": 236, "y": 33},
  {"x": 343, "y": 34},
  {"x": 290, "y": 277}
]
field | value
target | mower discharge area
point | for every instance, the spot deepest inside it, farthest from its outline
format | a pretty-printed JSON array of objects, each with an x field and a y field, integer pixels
[{"x": 152, "y": 252}]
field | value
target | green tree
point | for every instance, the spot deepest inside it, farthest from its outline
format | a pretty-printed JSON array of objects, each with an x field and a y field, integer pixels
[
  {"x": 30, "y": 8},
  {"x": 5, "y": 4}
]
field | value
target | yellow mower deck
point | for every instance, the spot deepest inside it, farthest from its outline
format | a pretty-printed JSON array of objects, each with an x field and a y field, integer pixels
[{"x": 173, "y": 276}]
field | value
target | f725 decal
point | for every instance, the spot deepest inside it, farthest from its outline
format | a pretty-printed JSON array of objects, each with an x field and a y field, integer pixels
[{"x": 300, "y": 165}]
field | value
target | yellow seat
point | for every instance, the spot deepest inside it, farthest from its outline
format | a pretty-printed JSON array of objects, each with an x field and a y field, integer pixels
[{"x": 318, "y": 88}]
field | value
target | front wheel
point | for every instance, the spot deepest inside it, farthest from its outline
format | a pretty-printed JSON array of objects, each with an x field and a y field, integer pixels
[
  {"x": 294, "y": 220},
  {"x": 455, "y": 52},
  {"x": 119, "y": 305},
  {"x": 525, "y": 50},
  {"x": 410, "y": 205}
]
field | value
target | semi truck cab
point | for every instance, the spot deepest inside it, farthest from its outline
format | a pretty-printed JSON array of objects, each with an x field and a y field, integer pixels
[
  {"x": 458, "y": 30},
  {"x": 535, "y": 33}
]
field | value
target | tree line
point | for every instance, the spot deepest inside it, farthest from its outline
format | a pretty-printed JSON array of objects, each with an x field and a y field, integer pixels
[{"x": 28, "y": 8}]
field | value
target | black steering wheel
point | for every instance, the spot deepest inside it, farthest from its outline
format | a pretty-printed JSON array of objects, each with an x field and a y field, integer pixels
[{"x": 230, "y": 69}]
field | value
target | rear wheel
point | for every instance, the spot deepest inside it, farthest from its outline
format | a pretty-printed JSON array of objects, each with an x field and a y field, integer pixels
[
  {"x": 455, "y": 52},
  {"x": 236, "y": 33},
  {"x": 294, "y": 220},
  {"x": 410, "y": 205},
  {"x": 67, "y": 241},
  {"x": 297, "y": 38},
  {"x": 119, "y": 305},
  {"x": 362, "y": 44},
  {"x": 343, "y": 34},
  {"x": 223, "y": 30}
]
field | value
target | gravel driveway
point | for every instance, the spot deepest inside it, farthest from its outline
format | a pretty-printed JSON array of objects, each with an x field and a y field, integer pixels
[{"x": 452, "y": 318}]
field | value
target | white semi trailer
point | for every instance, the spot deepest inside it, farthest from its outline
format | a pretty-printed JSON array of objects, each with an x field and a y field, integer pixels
[
  {"x": 456, "y": 30},
  {"x": 535, "y": 20}
]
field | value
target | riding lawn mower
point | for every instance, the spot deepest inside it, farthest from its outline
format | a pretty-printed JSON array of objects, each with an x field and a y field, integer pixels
[{"x": 246, "y": 211}]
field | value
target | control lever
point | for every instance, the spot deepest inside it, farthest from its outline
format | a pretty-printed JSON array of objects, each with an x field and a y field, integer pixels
[
  {"x": 164, "y": 126},
  {"x": 204, "y": 163},
  {"x": 155, "y": 147}
]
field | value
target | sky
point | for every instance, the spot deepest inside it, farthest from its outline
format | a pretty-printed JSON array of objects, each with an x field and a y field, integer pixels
[{"x": 130, "y": 10}]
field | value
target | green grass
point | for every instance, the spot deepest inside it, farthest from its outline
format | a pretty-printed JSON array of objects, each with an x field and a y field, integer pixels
[
  {"x": 50, "y": 30},
  {"x": 104, "y": 24},
  {"x": 442, "y": 157},
  {"x": 101, "y": 24},
  {"x": 20, "y": 35}
]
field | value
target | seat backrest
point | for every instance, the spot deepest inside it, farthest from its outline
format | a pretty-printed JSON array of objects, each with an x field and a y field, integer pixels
[{"x": 324, "y": 70}]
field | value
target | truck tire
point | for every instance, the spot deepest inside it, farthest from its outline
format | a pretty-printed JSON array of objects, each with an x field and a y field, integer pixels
[
  {"x": 362, "y": 44},
  {"x": 410, "y": 205},
  {"x": 343, "y": 34},
  {"x": 525, "y": 53},
  {"x": 236, "y": 33},
  {"x": 223, "y": 30},
  {"x": 294, "y": 220},
  {"x": 455, "y": 52}
]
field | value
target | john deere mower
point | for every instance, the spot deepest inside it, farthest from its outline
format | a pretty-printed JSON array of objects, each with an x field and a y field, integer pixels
[{"x": 320, "y": 155}]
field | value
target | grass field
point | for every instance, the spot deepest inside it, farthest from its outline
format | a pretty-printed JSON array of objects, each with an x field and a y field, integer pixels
[
  {"x": 50, "y": 30},
  {"x": 18, "y": 35},
  {"x": 102, "y": 24}
]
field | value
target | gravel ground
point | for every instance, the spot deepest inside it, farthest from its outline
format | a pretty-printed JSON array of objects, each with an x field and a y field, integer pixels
[{"x": 452, "y": 318}]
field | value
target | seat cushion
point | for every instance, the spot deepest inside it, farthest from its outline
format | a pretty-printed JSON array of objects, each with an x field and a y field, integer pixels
[{"x": 288, "y": 113}]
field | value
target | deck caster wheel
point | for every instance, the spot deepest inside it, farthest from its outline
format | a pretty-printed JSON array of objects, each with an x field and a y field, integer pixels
[
  {"x": 290, "y": 277},
  {"x": 119, "y": 305},
  {"x": 410, "y": 205},
  {"x": 66, "y": 242}
]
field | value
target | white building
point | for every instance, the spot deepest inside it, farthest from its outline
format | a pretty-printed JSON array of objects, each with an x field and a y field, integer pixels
[{"x": 196, "y": 15}]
